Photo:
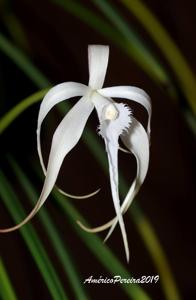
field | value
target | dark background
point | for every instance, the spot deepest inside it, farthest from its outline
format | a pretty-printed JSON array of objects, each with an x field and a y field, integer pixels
[{"x": 58, "y": 44}]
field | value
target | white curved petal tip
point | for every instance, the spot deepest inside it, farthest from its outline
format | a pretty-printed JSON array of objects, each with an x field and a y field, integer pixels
[
  {"x": 95, "y": 229},
  {"x": 85, "y": 228},
  {"x": 124, "y": 150},
  {"x": 24, "y": 221},
  {"x": 79, "y": 197}
]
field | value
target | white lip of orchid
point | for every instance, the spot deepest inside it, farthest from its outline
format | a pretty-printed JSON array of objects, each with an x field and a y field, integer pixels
[{"x": 115, "y": 121}]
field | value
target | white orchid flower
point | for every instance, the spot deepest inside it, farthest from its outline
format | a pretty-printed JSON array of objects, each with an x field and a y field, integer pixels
[{"x": 115, "y": 121}]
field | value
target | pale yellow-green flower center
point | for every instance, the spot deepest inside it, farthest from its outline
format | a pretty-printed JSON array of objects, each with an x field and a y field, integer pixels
[{"x": 110, "y": 112}]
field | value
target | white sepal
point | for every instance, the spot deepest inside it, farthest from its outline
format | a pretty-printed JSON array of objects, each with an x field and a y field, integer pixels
[
  {"x": 55, "y": 95},
  {"x": 136, "y": 140},
  {"x": 131, "y": 93},
  {"x": 98, "y": 56},
  {"x": 64, "y": 139},
  {"x": 112, "y": 151}
]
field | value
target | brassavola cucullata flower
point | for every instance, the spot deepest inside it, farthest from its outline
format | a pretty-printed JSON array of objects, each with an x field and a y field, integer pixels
[{"x": 116, "y": 121}]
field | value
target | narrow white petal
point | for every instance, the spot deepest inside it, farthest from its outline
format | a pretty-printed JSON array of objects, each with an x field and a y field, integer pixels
[
  {"x": 136, "y": 140},
  {"x": 55, "y": 95},
  {"x": 131, "y": 93},
  {"x": 98, "y": 61},
  {"x": 96, "y": 229},
  {"x": 112, "y": 151},
  {"x": 64, "y": 139},
  {"x": 124, "y": 150},
  {"x": 79, "y": 197}
]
